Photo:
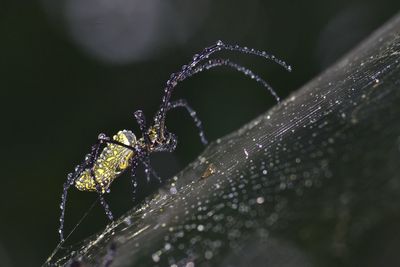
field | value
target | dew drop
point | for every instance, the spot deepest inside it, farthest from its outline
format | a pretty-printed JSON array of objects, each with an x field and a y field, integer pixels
[
  {"x": 208, "y": 255},
  {"x": 260, "y": 200},
  {"x": 246, "y": 153},
  {"x": 155, "y": 257},
  {"x": 173, "y": 190}
]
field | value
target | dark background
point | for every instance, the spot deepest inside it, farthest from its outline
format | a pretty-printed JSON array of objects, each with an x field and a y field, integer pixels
[{"x": 71, "y": 70}]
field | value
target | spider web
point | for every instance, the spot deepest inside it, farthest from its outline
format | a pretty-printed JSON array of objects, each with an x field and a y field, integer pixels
[{"x": 314, "y": 181}]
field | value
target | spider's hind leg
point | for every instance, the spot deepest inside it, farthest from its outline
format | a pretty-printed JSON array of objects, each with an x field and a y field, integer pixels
[
  {"x": 71, "y": 178},
  {"x": 70, "y": 181}
]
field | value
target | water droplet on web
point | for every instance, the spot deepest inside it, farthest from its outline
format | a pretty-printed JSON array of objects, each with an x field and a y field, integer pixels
[
  {"x": 102, "y": 136},
  {"x": 208, "y": 255},
  {"x": 173, "y": 190},
  {"x": 156, "y": 257},
  {"x": 260, "y": 200},
  {"x": 246, "y": 153}
]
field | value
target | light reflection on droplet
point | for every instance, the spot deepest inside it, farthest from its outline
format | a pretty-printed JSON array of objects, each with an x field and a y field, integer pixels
[{"x": 260, "y": 200}]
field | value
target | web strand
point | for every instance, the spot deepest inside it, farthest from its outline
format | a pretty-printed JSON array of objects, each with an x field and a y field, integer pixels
[{"x": 60, "y": 244}]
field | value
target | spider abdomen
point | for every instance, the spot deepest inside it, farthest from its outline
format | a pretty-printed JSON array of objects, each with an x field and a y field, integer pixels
[{"x": 111, "y": 162}]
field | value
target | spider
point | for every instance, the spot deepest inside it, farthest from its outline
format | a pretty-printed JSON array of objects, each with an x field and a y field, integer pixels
[{"x": 110, "y": 157}]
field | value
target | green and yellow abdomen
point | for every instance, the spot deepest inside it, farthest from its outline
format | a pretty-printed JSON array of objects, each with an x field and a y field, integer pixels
[{"x": 112, "y": 161}]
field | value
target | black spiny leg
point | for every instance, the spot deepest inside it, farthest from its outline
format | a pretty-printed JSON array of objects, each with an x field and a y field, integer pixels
[
  {"x": 219, "y": 62},
  {"x": 102, "y": 139},
  {"x": 71, "y": 178},
  {"x": 134, "y": 164},
  {"x": 183, "y": 103},
  {"x": 106, "y": 207},
  {"x": 148, "y": 169},
  {"x": 70, "y": 181},
  {"x": 141, "y": 120},
  {"x": 187, "y": 70}
]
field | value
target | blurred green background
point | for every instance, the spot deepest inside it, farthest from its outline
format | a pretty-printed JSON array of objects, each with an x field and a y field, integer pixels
[{"x": 72, "y": 69}]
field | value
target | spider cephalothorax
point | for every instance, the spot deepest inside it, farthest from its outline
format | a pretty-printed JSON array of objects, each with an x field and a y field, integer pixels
[{"x": 110, "y": 157}]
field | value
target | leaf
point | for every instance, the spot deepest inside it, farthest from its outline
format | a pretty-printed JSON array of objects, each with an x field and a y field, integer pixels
[{"x": 313, "y": 182}]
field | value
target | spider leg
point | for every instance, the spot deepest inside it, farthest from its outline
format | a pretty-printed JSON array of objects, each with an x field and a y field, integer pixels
[
  {"x": 102, "y": 139},
  {"x": 148, "y": 169},
  {"x": 105, "y": 139},
  {"x": 183, "y": 103},
  {"x": 71, "y": 178},
  {"x": 212, "y": 63},
  {"x": 70, "y": 181},
  {"x": 141, "y": 120},
  {"x": 106, "y": 207},
  {"x": 90, "y": 159},
  {"x": 134, "y": 164},
  {"x": 186, "y": 71},
  {"x": 134, "y": 160},
  {"x": 140, "y": 155},
  {"x": 144, "y": 156}
]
